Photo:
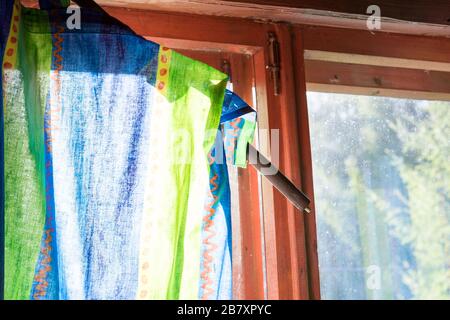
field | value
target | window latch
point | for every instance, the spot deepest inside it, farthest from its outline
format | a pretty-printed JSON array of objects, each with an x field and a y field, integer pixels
[
  {"x": 226, "y": 68},
  {"x": 274, "y": 62}
]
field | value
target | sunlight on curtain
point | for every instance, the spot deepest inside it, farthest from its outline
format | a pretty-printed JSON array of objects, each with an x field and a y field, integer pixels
[{"x": 111, "y": 188}]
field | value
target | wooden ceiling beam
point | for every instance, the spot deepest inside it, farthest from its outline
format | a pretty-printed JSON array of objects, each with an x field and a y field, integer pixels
[
  {"x": 420, "y": 17},
  {"x": 425, "y": 11}
]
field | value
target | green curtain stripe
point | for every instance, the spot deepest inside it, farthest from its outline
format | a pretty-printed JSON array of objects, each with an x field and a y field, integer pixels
[
  {"x": 245, "y": 138},
  {"x": 196, "y": 91},
  {"x": 24, "y": 155}
]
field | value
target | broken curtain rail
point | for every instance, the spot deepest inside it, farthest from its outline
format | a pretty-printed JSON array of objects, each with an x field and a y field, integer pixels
[{"x": 278, "y": 180}]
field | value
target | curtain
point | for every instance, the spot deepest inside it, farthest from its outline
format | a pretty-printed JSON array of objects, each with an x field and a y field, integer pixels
[{"x": 115, "y": 182}]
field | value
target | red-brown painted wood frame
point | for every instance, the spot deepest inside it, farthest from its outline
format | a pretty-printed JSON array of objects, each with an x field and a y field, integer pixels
[
  {"x": 373, "y": 43},
  {"x": 347, "y": 74},
  {"x": 361, "y": 42},
  {"x": 306, "y": 166},
  {"x": 413, "y": 10},
  {"x": 290, "y": 244}
]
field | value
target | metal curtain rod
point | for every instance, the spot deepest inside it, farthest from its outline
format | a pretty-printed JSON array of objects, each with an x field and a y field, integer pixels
[{"x": 281, "y": 182}]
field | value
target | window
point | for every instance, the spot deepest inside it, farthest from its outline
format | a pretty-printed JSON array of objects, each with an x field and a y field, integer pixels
[
  {"x": 381, "y": 182},
  {"x": 274, "y": 245}
]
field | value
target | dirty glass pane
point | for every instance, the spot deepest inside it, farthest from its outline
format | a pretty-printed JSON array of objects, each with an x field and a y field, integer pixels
[{"x": 382, "y": 186}]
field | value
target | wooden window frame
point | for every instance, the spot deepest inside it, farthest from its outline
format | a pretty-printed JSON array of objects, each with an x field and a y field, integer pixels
[
  {"x": 376, "y": 63},
  {"x": 285, "y": 264},
  {"x": 350, "y": 61}
]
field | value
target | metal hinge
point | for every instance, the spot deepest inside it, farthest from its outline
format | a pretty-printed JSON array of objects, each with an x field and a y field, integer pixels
[{"x": 274, "y": 62}]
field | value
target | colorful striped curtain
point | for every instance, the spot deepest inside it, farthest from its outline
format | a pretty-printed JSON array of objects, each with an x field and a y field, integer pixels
[{"x": 114, "y": 184}]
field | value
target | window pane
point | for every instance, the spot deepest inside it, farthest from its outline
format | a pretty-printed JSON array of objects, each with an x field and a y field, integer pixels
[{"x": 382, "y": 184}]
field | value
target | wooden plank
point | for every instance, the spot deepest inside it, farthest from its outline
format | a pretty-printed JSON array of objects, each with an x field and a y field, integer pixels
[
  {"x": 292, "y": 14},
  {"x": 286, "y": 226},
  {"x": 436, "y": 12},
  {"x": 306, "y": 169},
  {"x": 290, "y": 162},
  {"x": 212, "y": 59},
  {"x": 272, "y": 13},
  {"x": 249, "y": 284},
  {"x": 248, "y": 280},
  {"x": 346, "y": 74},
  {"x": 376, "y": 43},
  {"x": 376, "y": 60},
  {"x": 365, "y": 91},
  {"x": 266, "y": 190},
  {"x": 309, "y": 12},
  {"x": 232, "y": 31},
  {"x": 201, "y": 46}
]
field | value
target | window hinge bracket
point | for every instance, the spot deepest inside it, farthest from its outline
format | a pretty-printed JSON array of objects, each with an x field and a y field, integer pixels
[
  {"x": 274, "y": 62},
  {"x": 226, "y": 68}
]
